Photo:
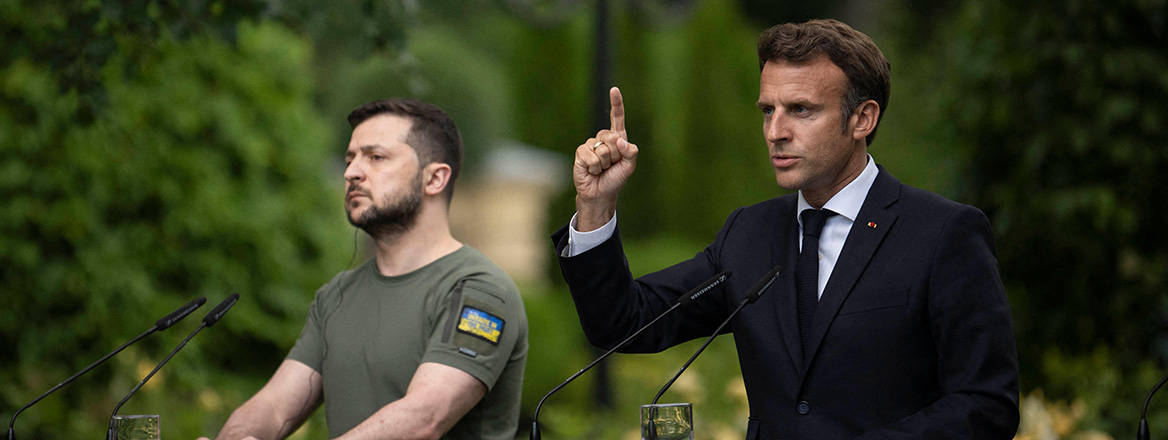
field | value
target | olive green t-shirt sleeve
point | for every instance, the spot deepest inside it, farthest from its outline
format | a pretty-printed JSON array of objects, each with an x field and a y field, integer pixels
[
  {"x": 310, "y": 346},
  {"x": 478, "y": 327}
]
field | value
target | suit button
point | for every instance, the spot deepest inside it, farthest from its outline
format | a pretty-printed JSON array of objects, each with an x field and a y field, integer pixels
[{"x": 803, "y": 407}]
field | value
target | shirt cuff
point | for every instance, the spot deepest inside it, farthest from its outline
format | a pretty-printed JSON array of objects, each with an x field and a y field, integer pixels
[{"x": 581, "y": 242}]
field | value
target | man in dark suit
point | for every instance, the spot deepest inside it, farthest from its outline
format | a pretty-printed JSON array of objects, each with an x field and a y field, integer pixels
[{"x": 889, "y": 319}]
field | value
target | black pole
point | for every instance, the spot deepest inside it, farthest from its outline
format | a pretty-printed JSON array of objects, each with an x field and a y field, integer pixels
[{"x": 601, "y": 82}]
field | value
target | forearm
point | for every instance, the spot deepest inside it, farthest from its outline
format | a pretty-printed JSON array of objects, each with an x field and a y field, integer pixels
[
  {"x": 612, "y": 305},
  {"x": 255, "y": 419},
  {"x": 438, "y": 396},
  {"x": 402, "y": 419}
]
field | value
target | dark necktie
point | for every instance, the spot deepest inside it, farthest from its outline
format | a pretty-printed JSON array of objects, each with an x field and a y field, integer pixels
[{"x": 807, "y": 270}]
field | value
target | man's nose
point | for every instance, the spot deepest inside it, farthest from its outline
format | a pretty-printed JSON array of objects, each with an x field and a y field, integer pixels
[
  {"x": 775, "y": 128},
  {"x": 353, "y": 172}
]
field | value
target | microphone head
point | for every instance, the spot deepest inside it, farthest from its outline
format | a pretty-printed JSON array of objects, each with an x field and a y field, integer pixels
[
  {"x": 217, "y": 313},
  {"x": 704, "y": 287},
  {"x": 763, "y": 284},
  {"x": 179, "y": 314}
]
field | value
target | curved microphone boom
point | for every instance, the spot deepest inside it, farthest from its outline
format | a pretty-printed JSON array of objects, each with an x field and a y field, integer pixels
[
  {"x": 161, "y": 324},
  {"x": 212, "y": 317},
  {"x": 750, "y": 297},
  {"x": 689, "y": 297},
  {"x": 1144, "y": 433}
]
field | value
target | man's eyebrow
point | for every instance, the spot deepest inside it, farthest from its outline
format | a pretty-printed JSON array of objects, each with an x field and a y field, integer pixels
[
  {"x": 364, "y": 149},
  {"x": 803, "y": 102}
]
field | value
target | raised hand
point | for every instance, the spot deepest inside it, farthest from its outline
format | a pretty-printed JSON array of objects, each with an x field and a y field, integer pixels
[{"x": 603, "y": 165}]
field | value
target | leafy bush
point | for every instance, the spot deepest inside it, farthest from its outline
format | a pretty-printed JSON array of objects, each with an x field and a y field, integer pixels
[
  {"x": 202, "y": 168},
  {"x": 1057, "y": 110}
]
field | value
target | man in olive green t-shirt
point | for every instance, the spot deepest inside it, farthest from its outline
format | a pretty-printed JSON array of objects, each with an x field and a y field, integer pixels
[{"x": 426, "y": 340}]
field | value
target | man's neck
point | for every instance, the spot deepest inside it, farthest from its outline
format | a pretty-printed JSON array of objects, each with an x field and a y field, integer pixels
[
  {"x": 426, "y": 241},
  {"x": 851, "y": 171}
]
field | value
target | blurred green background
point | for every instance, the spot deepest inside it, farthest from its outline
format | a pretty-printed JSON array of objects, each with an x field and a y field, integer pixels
[{"x": 155, "y": 151}]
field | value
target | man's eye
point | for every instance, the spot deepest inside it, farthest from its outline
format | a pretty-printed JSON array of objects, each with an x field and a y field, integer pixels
[
  {"x": 768, "y": 110},
  {"x": 798, "y": 109},
  {"x": 377, "y": 157}
]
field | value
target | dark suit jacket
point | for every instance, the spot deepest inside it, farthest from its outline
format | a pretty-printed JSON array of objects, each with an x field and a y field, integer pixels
[{"x": 911, "y": 339}]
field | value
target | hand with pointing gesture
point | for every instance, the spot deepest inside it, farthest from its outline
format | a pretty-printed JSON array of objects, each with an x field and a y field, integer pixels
[{"x": 603, "y": 165}]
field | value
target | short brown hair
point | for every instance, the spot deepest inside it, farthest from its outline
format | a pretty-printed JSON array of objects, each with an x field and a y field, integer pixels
[
  {"x": 432, "y": 135},
  {"x": 867, "y": 70}
]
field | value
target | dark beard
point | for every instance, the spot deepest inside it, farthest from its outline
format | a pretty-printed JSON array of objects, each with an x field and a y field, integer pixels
[{"x": 388, "y": 218}]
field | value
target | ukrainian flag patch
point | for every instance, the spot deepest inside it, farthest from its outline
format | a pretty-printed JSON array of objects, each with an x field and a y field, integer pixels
[{"x": 480, "y": 324}]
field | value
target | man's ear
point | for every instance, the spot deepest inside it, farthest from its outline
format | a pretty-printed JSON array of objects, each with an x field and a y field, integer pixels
[
  {"x": 435, "y": 177},
  {"x": 864, "y": 119}
]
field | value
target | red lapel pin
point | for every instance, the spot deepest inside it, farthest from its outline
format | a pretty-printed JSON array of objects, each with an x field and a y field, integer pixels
[{"x": 872, "y": 225}]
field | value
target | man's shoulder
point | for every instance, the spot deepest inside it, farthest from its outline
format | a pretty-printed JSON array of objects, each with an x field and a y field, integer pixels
[
  {"x": 469, "y": 263},
  {"x": 331, "y": 292},
  {"x": 766, "y": 210},
  {"x": 928, "y": 201},
  {"x": 474, "y": 270},
  {"x": 920, "y": 206}
]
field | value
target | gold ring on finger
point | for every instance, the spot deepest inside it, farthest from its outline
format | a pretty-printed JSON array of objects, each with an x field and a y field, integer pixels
[{"x": 597, "y": 145}]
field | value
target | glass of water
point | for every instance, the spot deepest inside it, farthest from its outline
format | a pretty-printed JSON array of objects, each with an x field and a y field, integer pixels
[
  {"x": 137, "y": 427},
  {"x": 667, "y": 421}
]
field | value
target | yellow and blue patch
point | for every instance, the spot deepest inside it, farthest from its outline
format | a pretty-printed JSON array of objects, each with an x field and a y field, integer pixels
[{"x": 480, "y": 324}]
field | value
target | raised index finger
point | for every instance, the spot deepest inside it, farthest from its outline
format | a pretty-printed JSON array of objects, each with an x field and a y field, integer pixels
[{"x": 616, "y": 116}]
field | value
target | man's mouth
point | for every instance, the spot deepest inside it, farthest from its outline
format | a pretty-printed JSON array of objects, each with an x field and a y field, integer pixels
[
  {"x": 354, "y": 193},
  {"x": 783, "y": 160}
]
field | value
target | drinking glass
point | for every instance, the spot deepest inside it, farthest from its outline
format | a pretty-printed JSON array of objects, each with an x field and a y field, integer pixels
[
  {"x": 137, "y": 427},
  {"x": 667, "y": 421}
]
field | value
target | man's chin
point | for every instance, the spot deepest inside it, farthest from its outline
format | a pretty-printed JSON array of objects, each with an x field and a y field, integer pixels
[
  {"x": 787, "y": 180},
  {"x": 354, "y": 217}
]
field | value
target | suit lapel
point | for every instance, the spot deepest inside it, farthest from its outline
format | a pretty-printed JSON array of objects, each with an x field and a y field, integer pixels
[
  {"x": 784, "y": 249},
  {"x": 872, "y": 224}
]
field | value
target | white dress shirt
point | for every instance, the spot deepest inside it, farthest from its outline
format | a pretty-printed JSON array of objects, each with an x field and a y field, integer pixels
[{"x": 846, "y": 204}]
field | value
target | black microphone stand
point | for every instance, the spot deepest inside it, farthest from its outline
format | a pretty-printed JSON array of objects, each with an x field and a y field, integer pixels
[
  {"x": 684, "y": 299},
  {"x": 111, "y": 433},
  {"x": 751, "y": 297},
  {"x": 161, "y": 324},
  {"x": 1144, "y": 433},
  {"x": 212, "y": 317},
  {"x": 535, "y": 419},
  {"x": 12, "y": 423}
]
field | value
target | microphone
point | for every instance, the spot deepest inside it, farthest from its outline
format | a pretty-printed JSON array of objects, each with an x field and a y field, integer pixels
[
  {"x": 217, "y": 313},
  {"x": 751, "y": 296},
  {"x": 1143, "y": 433},
  {"x": 209, "y": 320},
  {"x": 697, "y": 292},
  {"x": 161, "y": 324},
  {"x": 179, "y": 314}
]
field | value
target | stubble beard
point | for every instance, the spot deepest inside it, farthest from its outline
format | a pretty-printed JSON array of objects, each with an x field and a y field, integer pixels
[{"x": 389, "y": 218}]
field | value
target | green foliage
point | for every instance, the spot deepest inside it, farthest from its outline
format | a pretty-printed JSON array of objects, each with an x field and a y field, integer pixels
[
  {"x": 1111, "y": 394},
  {"x": 691, "y": 92},
  {"x": 689, "y": 89},
  {"x": 1056, "y": 111},
  {"x": 1063, "y": 123},
  {"x": 201, "y": 174}
]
